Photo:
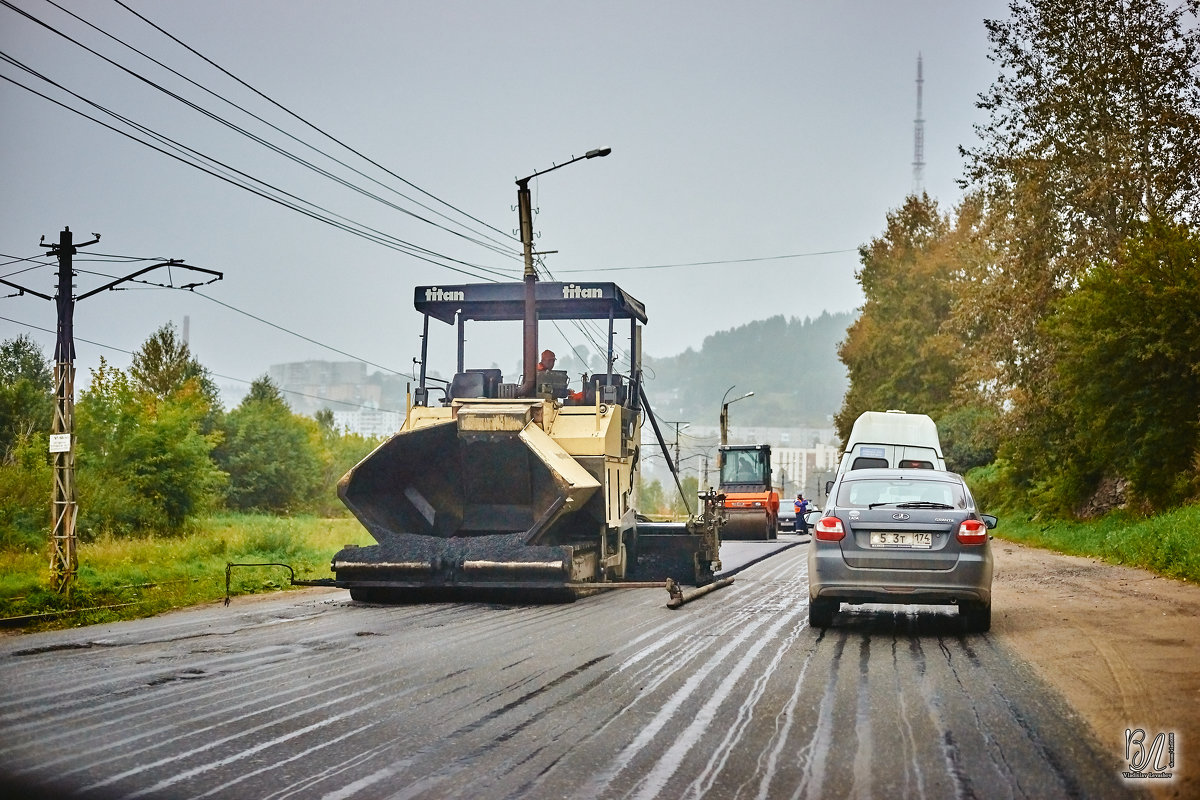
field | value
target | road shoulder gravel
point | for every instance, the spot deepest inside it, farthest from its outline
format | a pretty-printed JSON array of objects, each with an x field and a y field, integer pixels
[{"x": 1122, "y": 645}]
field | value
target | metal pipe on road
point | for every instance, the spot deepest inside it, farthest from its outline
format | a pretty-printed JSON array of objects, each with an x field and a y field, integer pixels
[{"x": 678, "y": 598}]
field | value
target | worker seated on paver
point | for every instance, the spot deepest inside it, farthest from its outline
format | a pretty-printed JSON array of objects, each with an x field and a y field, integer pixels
[{"x": 551, "y": 381}]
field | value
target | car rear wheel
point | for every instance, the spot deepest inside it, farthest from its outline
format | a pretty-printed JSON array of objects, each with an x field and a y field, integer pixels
[
  {"x": 976, "y": 617},
  {"x": 821, "y": 611}
]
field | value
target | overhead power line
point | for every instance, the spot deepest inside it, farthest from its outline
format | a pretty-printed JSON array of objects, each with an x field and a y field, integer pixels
[
  {"x": 302, "y": 336},
  {"x": 362, "y": 231},
  {"x": 210, "y": 372},
  {"x": 254, "y": 317},
  {"x": 217, "y": 118},
  {"x": 230, "y": 174},
  {"x": 712, "y": 263},
  {"x": 304, "y": 121}
]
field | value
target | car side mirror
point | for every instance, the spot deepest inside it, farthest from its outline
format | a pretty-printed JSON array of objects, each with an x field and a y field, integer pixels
[{"x": 989, "y": 520}]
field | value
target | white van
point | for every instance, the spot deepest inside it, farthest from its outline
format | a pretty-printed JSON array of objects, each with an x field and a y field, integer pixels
[{"x": 893, "y": 439}]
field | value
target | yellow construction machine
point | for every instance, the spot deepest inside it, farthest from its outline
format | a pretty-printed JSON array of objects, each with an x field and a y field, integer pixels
[{"x": 518, "y": 490}]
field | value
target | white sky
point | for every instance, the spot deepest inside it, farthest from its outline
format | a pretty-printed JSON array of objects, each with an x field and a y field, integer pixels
[{"x": 738, "y": 130}]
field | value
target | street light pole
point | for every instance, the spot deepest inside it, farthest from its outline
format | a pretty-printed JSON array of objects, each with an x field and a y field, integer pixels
[
  {"x": 525, "y": 211},
  {"x": 725, "y": 413}
]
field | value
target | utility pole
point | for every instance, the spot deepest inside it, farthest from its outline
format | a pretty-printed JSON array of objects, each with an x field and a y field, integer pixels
[
  {"x": 677, "y": 425},
  {"x": 64, "y": 560}
]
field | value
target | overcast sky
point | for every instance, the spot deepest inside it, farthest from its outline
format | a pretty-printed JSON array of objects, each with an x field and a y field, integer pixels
[{"x": 740, "y": 133}]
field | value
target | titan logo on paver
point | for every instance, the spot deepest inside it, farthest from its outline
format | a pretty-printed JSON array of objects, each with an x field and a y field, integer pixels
[
  {"x": 573, "y": 292},
  {"x": 434, "y": 294}
]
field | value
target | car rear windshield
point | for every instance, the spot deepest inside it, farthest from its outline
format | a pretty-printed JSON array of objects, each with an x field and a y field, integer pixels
[{"x": 867, "y": 493}]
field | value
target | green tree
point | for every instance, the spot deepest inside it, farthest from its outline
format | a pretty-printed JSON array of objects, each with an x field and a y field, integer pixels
[
  {"x": 143, "y": 463},
  {"x": 650, "y": 497},
  {"x": 26, "y": 412},
  {"x": 337, "y": 452},
  {"x": 1129, "y": 369},
  {"x": 1097, "y": 104},
  {"x": 26, "y": 478},
  {"x": 1094, "y": 124},
  {"x": 269, "y": 453},
  {"x": 26, "y": 394},
  {"x": 903, "y": 352},
  {"x": 677, "y": 507},
  {"x": 1094, "y": 127},
  {"x": 970, "y": 435},
  {"x": 164, "y": 365}
]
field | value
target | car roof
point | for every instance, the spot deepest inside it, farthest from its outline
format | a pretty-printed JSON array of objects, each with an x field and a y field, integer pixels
[{"x": 890, "y": 473}]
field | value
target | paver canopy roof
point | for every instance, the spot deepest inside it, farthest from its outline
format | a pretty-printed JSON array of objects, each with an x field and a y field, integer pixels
[{"x": 506, "y": 301}]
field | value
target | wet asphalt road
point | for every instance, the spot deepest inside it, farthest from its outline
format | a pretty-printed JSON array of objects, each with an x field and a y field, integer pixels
[{"x": 732, "y": 696}]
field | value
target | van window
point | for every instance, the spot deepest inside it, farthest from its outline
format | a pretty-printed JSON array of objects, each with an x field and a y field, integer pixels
[
  {"x": 911, "y": 463},
  {"x": 863, "y": 462}
]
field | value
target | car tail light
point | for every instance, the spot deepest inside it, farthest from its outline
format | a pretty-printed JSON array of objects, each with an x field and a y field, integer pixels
[
  {"x": 830, "y": 529},
  {"x": 972, "y": 531}
]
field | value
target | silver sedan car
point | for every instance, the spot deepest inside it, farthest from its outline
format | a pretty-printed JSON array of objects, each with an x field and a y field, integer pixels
[{"x": 901, "y": 536}]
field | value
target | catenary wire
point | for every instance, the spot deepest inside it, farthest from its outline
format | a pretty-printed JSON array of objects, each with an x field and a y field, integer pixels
[
  {"x": 214, "y": 374},
  {"x": 19, "y": 260},
  {"x": 712, "y": 263},
  {"x": 291, "y": 113},
  {"x": 378, "y": 239},
  {"x": 331, "y": 348},
  {"x": 269, "y": 124},
  {"x": 224, "y": 170},
  {"x": 258, "y": 139},
  {"x": 299, "y": 335}
]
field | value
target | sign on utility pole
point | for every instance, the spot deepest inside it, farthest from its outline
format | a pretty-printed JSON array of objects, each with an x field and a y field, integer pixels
[{"x": 64, "y": 560}]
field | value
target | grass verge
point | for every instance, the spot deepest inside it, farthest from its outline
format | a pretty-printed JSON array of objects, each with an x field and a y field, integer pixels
[
  {"x": 1167, "y": 544},
  {"x": 131, "y": 578}
]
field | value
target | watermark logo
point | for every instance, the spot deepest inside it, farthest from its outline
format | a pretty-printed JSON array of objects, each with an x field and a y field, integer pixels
[{"x": 1149, "y": 756}]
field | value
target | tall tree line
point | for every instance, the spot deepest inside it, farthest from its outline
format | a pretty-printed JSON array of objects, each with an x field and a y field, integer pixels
[
  {"x": 1050, "y": 323},
  {"x": 155, "y": 449}
]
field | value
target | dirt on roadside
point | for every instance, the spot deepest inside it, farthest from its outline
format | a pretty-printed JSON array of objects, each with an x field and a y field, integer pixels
[{"x": 1122, "y": 646}]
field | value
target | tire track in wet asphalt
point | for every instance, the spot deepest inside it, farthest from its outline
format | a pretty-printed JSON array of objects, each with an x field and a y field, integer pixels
[{"x": 732, "y": 696}]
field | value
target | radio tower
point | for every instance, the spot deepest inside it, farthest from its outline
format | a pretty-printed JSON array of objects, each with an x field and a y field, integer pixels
[{"x": 919, "y": 138}]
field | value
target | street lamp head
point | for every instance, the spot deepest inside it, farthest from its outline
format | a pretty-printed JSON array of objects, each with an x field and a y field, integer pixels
[{"x": 601, "y": 152}]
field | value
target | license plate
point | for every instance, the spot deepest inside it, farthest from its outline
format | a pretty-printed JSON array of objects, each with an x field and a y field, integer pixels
[{"x": 916, "y": 540}]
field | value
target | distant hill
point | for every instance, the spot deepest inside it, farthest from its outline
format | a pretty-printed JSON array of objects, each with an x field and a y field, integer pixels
[{"x": 791, "y": 366}]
